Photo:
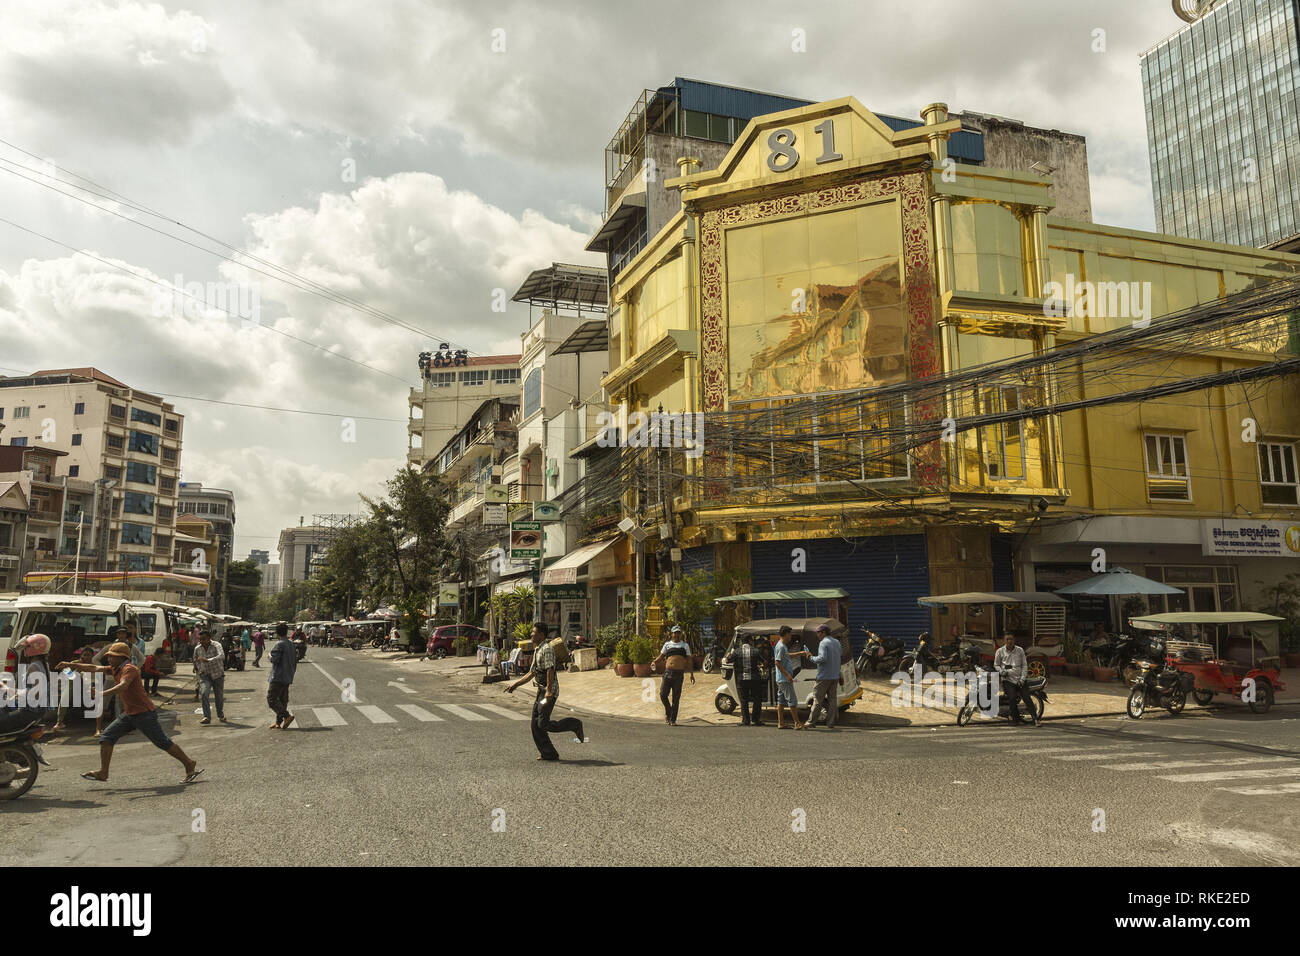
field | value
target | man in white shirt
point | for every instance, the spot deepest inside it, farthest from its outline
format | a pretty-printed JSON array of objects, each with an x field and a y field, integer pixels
[{"x": 1012, "y": 666}]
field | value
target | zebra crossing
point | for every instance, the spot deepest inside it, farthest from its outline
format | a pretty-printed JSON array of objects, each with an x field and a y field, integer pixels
[
  {"x": 1184, "y": 759},
  {"x": 366, "y": 714}
]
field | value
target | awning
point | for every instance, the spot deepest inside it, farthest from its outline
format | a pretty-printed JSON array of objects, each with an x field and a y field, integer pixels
[
  {"x": 565, "y": 570},
  {"x": 990, "y": 597},
  {"x": 513, "y": 584},
  {"x": 812, "y": 594}
]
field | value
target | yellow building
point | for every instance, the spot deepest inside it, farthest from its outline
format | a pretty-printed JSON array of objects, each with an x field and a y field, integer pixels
[{"x": 828, "y": 254}]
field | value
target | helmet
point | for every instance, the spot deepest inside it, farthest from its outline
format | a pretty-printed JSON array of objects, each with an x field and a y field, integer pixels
[{"x": 34, "y": 645}]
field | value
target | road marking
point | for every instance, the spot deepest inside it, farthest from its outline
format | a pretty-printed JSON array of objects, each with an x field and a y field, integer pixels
[
  {"x": 1105, "y": 756},
  {"x": 329, "y": 717},
  {"x": 512, "y": 714},
  {"x": 1281, "y": 788},
  {"x": 354, "y": 700},
  {"x": 419, "y": 713},
  {"x": 461, "y": 712},
  {"x": 376, "y": 715},
  {"x": 402, "y": 687},
  {"x": 1059, "y": 750},
  {"x": 339, "y": 657},
  {"x": 1207, "y": 762},
  {"x": 1231, "y": 774}
]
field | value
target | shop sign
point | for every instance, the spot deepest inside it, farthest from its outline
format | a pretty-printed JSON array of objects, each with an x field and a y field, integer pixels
[
  {"x": 1250, "y": 539},
  {"x": 525, "y": 540}
]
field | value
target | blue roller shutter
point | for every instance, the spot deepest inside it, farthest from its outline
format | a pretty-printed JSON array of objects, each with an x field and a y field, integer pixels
[{"x": 883, "y": 575}]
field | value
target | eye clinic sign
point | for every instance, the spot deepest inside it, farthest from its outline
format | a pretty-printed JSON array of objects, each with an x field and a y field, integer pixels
[
  {"x": 525, "y": 540},
  {"x": 1253, "y": 539}
]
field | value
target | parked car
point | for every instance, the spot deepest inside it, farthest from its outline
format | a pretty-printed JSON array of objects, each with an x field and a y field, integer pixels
[{"x": 441, "y": 640}]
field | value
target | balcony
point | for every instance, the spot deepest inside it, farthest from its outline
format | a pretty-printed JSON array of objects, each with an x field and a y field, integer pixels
[{"x": 75, "y": 517}]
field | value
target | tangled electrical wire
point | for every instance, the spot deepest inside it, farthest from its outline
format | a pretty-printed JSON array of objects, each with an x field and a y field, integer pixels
[{"x": 885, "y": 443}]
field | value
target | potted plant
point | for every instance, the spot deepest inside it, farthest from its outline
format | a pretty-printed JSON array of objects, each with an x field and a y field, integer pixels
[
  {"x": 1104, "y": 673},
  {"x": 623, "y": 666},
  {"x": 643, "y": 653}
]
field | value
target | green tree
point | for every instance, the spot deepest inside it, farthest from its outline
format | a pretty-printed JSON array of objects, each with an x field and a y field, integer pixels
[
  {"x": 690, "y": 601},
  {"x": 243, "y": 586}
]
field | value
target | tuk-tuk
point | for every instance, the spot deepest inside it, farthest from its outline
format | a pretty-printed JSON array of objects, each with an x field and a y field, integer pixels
[
  {"x": 805, "y": 675},
  {"x": 1247, "y": 666}
]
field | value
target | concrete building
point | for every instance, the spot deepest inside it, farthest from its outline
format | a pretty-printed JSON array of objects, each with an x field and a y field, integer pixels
[
  {"x": 196, "y": 555},
  {"x": 690, "y": 118},
  {"x": 452, "y": 387},
  {"x": 297, "y": 548},
  {"x": 1222, "y": 102},
  {"x": 270, "y": 580},
  {"x": 216, "y": 506},
  {"x": 127, "y": 442},
  {"x": 262, "y": 558},
  {"x": 15, "y": 489}
]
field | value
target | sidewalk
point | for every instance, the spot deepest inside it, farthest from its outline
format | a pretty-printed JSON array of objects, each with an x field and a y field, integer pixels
[{"x": 603, "y": 692}]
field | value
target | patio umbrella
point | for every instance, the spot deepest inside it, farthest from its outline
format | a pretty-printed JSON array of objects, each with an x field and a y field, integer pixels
[{"x": 1118, "y": 581}]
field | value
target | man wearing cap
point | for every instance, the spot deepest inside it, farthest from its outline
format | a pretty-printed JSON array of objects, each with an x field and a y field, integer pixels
[
  {"x": 209, "y": 664},
  {"x": 826, "y": 692},
  {"x": 137, "y": 712},
  {"x": 676, "y": 655}
]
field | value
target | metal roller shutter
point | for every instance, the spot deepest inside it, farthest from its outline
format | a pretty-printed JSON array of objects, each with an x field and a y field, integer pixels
[{"x": 883, "y": 575}]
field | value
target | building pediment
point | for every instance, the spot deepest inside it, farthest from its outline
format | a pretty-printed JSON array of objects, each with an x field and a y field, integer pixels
[{"x": 838, "y": 136}]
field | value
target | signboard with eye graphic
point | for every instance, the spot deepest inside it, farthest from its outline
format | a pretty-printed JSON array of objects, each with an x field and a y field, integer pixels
[
  {"x": 547, "y": 511},
  {"x": 525, "y": 540}
]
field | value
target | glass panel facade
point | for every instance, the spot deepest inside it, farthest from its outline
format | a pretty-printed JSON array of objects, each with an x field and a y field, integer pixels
[
  {"x": 1223, "y": 125},
  {"x": 816, "y": 303}
]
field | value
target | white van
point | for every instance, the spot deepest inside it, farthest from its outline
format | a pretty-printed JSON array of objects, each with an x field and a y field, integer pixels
[{"x": 70, "y": 622}]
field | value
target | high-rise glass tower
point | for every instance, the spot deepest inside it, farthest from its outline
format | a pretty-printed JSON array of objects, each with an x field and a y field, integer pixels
[{"x": 1223, "y": 122}]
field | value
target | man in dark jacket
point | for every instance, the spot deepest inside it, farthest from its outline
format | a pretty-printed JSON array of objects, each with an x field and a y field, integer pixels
[
  {"x": 750, "y": 682},
  {"x": 284, "y": 662}
]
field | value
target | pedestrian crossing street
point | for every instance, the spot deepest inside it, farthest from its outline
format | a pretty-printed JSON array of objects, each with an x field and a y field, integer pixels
[
  {"x": 1185, "y": 759},
  {"x": 343, "y": 715}
]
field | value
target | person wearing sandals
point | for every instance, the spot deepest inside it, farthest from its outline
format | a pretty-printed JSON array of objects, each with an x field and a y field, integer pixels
[
  {"x": 676, "y": 655},
  {"x": 137, "y": 712}
]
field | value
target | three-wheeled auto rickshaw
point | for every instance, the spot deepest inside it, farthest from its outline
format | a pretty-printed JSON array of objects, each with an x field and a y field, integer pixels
[
  {"x": 1245, "y": 664},
  {"x": 727, "y": 695}
]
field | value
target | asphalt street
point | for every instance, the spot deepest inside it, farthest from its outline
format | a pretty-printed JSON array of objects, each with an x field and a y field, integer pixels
[{"x": 393, "y": 766}]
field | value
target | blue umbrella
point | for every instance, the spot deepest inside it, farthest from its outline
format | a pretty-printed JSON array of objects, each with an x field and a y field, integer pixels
[{"x": 1118, "y": 581}]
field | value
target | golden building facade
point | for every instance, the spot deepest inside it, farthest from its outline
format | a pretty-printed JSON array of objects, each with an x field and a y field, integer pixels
[{"x": 828, "y": 254}]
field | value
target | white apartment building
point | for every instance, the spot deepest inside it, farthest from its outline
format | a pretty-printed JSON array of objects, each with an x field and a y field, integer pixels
[
  {"x": 297, "y": 548},
  {"x": 453, "y": 386},
  {"x": 125, "y": 441},
  {"x": 270, "y": 580}
]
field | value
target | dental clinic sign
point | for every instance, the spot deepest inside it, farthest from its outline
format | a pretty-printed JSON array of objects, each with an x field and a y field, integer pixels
[{"x": 1251, "y": 539}]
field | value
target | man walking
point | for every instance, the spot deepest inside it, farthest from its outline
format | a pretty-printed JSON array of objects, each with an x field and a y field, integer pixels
[
  {"x": 137, "y": 712},
  {"x": 826, "y": 692},
  {"x": 210, "y": 665},
  {"x": 676, "y": 655},
  {"x": 543, "y": 673},
  {"x": 1011, "y": 665},
  {"x": 259, "y": 641},
  {"x": 284, "y": 664},
  {"x": 784, "y": 673}
]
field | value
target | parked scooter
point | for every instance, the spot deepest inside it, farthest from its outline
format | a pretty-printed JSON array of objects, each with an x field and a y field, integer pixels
[
  {"x": 880, "y": 654},
  {"x": 1037, "y": 693},
  {"x": 300, "y": 642},
  {"x": 712, "y": 658},
  {"x": 948, "y": 659},
  {"x": 1159, "y": 685},
  {"x": 20, "y": 755}
]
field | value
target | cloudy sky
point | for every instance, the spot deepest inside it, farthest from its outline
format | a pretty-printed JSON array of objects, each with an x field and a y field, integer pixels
[{"x": 390, "y": 152}]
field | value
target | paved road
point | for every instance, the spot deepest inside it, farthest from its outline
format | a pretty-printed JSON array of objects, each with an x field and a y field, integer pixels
[{"x": 414, "y": 771}]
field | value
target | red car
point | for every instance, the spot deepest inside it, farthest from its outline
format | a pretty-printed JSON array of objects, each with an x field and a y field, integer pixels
[{"x": 442, "y": 641}]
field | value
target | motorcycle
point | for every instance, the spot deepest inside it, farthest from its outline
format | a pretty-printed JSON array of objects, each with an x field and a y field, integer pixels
[
  {"x": 300, "y": 642},
  {"x": 1037, "y": 694},
  {"x": 20, "y": 755},
  {"x": 1159, "y": 686},
  {"x": 948, "y": 659},
  {"x": 712, "y": 658},
  {"x": 880, "y": 654}
]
